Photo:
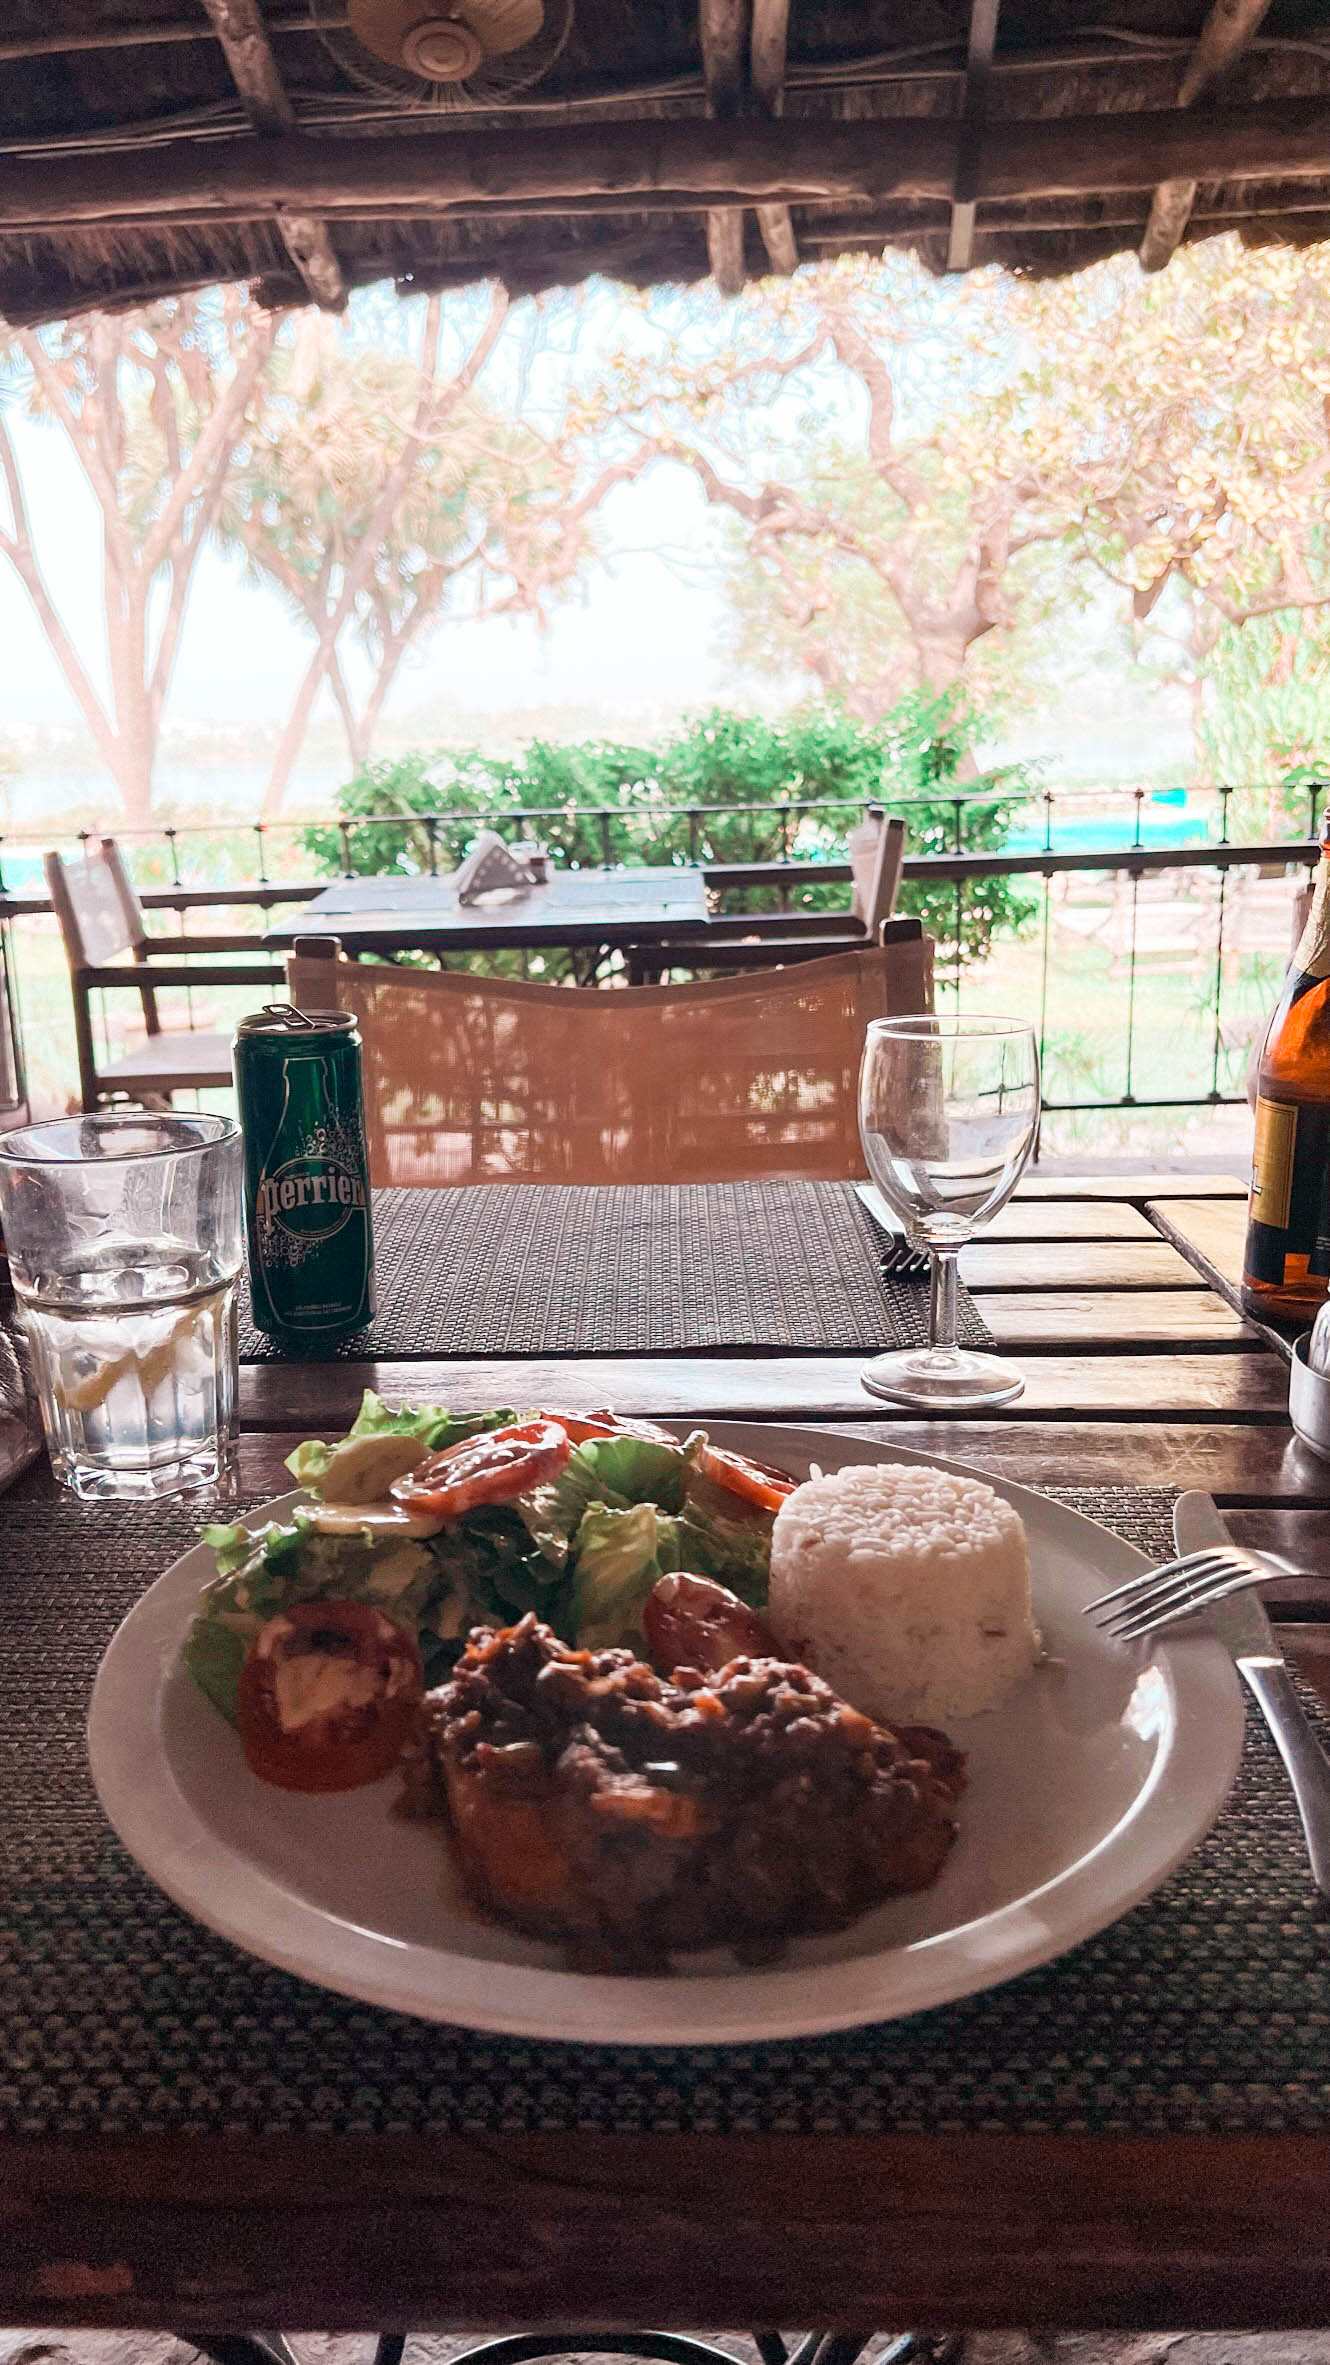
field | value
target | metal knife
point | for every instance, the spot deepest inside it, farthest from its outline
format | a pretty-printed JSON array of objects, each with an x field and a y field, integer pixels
[
  {"x": 870, "y": 1197},
  {"x": 1240, "y": 1623}
]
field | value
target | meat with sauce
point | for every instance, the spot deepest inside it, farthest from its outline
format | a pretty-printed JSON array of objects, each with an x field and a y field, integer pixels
[{"x": 626, "y": 1815}]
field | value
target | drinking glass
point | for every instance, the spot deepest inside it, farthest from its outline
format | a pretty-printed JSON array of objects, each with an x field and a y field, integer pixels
[
  {"x": 948, "y": 1109},
  {"x": 125, "y": 1239}
]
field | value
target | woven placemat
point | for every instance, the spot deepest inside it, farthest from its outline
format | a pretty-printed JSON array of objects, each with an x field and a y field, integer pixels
[
  {"x": 1207, "y": 2008},
  {"x": 652, "y": 1269}
]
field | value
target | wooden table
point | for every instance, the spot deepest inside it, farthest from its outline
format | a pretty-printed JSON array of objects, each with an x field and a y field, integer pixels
[
  {"x": 1137, "y": 1373},
  {"x": 625, "y": 908}
]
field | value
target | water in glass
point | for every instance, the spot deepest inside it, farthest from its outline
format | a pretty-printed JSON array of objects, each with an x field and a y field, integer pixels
[
  {"x": 136, "y": 1369},
  {"x": 124, "y": 1238}
]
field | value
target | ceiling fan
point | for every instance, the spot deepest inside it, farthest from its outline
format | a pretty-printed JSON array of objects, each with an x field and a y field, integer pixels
[{"x": 444, "y": 53}]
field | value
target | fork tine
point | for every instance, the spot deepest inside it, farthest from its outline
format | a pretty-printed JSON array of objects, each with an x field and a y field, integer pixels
[
  {"x": 1137, "y": 1616},
  {"x": 1170, "y": 1584},
  {"x": 1183, "y": 1586},
  {"x": 1151, "y": 1621},
  {"x": 1136, "y": 1586}
]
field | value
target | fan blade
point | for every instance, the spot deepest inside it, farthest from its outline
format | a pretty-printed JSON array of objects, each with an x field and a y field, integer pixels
[
  {"x": 501, "y": 25},
  {"x": 381, "y": 26}
]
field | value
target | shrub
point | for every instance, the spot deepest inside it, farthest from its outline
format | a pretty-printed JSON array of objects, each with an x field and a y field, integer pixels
[{"x": 791, "y": 788}]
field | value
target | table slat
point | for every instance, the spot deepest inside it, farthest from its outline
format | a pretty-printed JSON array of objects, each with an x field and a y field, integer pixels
[
  {"x": 371, "y": 2233},
  {"x": 1069, "y": 1219},
  {"x": 1132, "y": 1187},
  {"x": 1168, "y": 1386},
  {"x": 1075, "y": 1265},
  {"x": 1173, "y": 1317}
]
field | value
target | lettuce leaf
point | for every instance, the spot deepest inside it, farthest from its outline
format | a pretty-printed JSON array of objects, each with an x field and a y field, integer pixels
[
  {"x": 634, "y": 1470},
  {"x": 435, "y": 1427},
  {"x": 612, "y": 1471},
  {"x": 736, "y": 1552},
  {"x": 616, "y": 1563}
]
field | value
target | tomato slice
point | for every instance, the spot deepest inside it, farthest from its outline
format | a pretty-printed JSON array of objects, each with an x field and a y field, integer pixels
[
  {"x": 582, "y": 1425},
  {"x": 327, "y": 1696},
  {"x": 492, "y": 1468},
  {"x": 753, "y": 1482},
  {"x": 691, "y": 1622}
]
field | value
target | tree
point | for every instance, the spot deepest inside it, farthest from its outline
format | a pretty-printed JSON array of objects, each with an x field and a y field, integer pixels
[
  {"x": 383, "y": 494},
  {"x": 1205, "y": 397},
  {"x": 868, "y": 432},
  {"x": 153, "y": 406},
  {"x": 1267, "y": 716},
  {"x": 927, "y": 478}
]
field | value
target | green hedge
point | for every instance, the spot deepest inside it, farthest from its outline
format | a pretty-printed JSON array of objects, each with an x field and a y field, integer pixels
[{"x": 609, "y": 801}]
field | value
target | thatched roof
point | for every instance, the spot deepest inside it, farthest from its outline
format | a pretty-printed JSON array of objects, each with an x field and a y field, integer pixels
[{"x": 152, "y": 145}]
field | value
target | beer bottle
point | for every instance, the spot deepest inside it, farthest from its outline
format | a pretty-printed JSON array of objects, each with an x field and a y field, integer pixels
[{"x": 1286, "y": 1267}]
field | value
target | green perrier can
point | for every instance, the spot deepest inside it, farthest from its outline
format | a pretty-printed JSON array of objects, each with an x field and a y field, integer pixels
[{"x": 307, "y": 1213}]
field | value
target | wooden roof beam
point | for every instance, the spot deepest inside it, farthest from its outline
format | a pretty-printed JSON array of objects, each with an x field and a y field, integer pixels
[
  {"x": 1227, "y": 30},
  {"x": 248, "y": 51},
  {"x": 974, "y": 106},
  {"x": 723, "y": 33},
  {"x": 654, "y": 164},
  {"x": 771, "y": 20}
]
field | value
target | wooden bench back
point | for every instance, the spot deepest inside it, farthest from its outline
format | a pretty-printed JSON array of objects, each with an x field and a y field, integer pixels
[{"x": 473, "y": 1079}]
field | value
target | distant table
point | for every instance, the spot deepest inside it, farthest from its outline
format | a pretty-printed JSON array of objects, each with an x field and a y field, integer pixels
[{"x": 641, "y": 906}]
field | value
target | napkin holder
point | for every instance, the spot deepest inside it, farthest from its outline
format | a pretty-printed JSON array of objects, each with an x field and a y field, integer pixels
[
  {"x": 1309, "y": 1400},
  {"x": 489, "y": 868}
]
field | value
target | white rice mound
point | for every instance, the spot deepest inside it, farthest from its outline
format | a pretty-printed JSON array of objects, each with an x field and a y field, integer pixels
[{"x": 906, "y": 1589}]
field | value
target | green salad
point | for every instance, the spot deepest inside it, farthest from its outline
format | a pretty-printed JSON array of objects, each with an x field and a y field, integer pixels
[{"x": 583, "y": 1548}]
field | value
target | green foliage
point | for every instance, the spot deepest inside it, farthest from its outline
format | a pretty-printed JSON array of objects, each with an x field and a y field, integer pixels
[
  {"x": 1267, "y": 717},
  {"x": 726, "y": 788}
]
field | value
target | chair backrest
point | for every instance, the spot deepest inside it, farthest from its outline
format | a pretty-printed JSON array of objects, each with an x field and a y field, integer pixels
[
  {"x": 478, "y": 1079},
  {"x": 877, "y": 850},
  {"x": 95, "y": 903}
]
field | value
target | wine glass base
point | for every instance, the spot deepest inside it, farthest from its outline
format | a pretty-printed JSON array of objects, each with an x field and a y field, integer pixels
[{"x": 942, "y": 1382}]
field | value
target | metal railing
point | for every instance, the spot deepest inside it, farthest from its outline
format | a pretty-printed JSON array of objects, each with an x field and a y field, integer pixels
[{"x": 1189, "y": 938}]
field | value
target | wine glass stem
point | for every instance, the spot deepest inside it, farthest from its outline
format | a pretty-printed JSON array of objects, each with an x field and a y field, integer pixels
[{"x": 942, "y": 1301}]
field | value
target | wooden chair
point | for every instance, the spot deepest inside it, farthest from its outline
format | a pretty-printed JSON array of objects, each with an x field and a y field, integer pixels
[
  {"x": 13, "y": 1087},
  {"x": 767, "y": 940},
  {"x": 100, "y": 918},
  {"x": 481, "y": 1079}
]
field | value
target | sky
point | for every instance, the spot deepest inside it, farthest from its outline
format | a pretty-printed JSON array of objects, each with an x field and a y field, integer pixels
[{"x": 647, "y": 632}]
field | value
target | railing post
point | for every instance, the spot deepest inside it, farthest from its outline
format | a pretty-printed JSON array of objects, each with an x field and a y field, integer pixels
[
  {"x": 432, "y": 842},
  {"x": 344, "y": 832},
  {"x": 261, "y": 833}
]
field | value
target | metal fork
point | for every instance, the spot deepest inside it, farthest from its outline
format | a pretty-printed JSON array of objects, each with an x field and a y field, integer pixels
[
  {"x": 904, "y": 1262},
  {"x": 900, "y": 1259},
  {"x": 1163, "y": 1595}
]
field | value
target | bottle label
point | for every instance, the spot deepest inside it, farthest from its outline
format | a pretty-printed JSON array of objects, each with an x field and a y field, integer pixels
[{"x": 1290, "y": 1189}]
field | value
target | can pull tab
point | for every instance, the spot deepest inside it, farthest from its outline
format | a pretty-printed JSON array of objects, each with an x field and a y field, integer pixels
[{"x": 288, "y": 1014}]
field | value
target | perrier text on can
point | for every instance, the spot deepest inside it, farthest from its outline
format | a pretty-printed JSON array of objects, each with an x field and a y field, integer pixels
[{"x": 307, "y": 1208}]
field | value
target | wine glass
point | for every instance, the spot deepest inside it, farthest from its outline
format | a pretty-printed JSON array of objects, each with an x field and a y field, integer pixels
[{"x": 948, "y": 1109}]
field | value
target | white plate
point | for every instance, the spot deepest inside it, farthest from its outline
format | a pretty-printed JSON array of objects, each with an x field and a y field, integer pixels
[{"x": 1085, "y": 1792}]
